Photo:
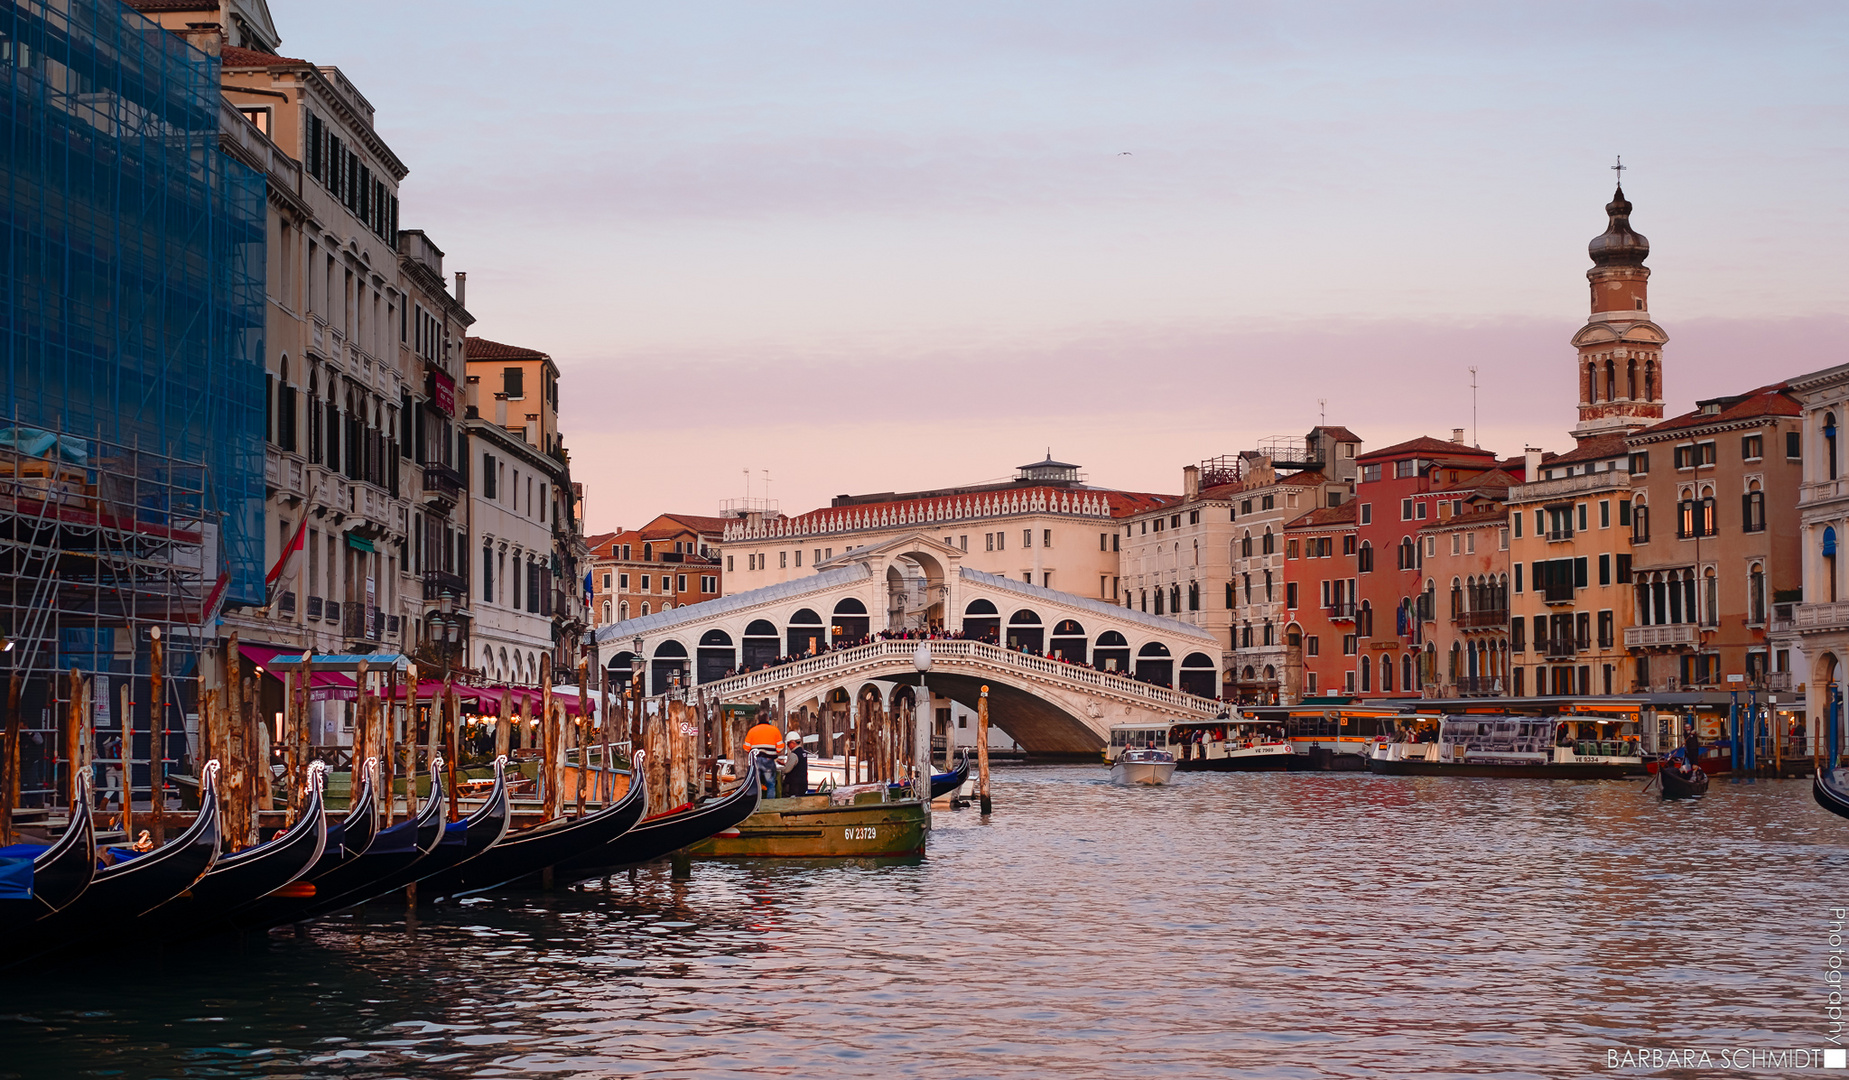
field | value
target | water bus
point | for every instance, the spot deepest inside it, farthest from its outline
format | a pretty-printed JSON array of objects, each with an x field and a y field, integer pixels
[
  {"x": 1224, "y": 745},
  {"x": 1330, "y": 737},
  {"x": 1508, "y": 745}
]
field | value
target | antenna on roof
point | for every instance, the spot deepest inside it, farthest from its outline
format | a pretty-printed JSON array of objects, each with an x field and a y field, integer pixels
[
  {"x": 1474, "y": 440},
  {"x": 1322, "y": 411}
]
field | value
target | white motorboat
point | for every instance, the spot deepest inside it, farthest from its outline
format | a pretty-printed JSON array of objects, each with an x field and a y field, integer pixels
[{"x": 1142, "y": 766}]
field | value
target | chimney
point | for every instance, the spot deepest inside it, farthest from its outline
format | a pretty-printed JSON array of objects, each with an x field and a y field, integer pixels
[
  {"x": 1191, "y": 482},
  {"x": 207, "y": 37},
  {"x": 462, "y": 288},
  {"x": 1531, "y": 464},
  {"x": 1457, "y": 435},
  {"x": 500, "y": 410}
]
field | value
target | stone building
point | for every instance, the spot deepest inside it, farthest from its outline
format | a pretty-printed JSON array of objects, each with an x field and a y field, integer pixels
[
  {"x": 1715, "y": 527},
  {"x": 670, "y": 562},
  {"x": 1045, "y": 527},
  {"x": 1465, "y": 551},
  {"x": 1821, "y": 619}
]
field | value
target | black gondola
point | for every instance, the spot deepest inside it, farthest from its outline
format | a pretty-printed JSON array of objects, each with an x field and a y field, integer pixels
[
  {"x": 60, "y": 871},
  {"x": 250, "y": 874},
  {"x": 530, "y": 851},
  {"x": 661, "y": 835},
  {"x": 462, "y": 840},
  {"x": 132, "y": 886},
  {"x": 942, "y": 783},
  {"x": 1830, "y": 787},
  {"x": 390, "y": 851},
  {"x": 1681, "y": 782}
]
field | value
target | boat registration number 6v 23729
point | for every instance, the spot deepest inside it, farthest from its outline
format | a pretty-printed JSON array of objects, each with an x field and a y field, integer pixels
[{"x": 861, "y": 832}]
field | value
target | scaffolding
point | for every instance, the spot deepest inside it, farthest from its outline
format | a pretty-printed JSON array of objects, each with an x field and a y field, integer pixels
[{"x": 104, "y": 549}]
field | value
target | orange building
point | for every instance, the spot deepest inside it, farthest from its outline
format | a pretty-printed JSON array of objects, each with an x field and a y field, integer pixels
[
  {"x": 1320, "y": 646},
  {"x": 671, "y": 562}
]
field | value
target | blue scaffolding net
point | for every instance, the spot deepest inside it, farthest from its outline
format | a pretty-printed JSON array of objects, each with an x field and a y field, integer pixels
[{"x": 132, "y": 292}]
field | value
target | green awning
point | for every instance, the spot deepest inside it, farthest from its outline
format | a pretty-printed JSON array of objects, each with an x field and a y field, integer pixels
[{"x": 358, "y": 542}]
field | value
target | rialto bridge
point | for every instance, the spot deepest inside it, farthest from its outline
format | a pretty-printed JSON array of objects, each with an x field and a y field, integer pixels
[{"x": 1061, "y": 669}]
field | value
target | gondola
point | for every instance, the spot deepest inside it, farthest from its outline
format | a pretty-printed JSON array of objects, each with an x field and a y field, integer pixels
[
  {"x": 942, "y": 783},
  {"x": 250, "y": 874},
  {"x": 59, "y": 872},
  {"x": 389, "y": 851},
  {"x": 530, "y": 851},
  {"x": 462, "y": 840},
  {"x": 132, "y": 886},
  {"x": 1830, "y": 787},
  {"x": 662, "y": 834},
  {"x": 1678, "y": 783}
]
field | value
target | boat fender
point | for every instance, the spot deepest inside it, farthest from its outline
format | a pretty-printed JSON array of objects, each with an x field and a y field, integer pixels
[{"x": 729, "y": 832}]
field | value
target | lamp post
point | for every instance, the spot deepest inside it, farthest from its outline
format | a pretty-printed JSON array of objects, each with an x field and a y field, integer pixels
[{"x": 921, "y": 725}]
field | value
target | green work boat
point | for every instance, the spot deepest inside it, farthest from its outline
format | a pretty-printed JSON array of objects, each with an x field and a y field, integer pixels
[{"x": 868, "y": 825}]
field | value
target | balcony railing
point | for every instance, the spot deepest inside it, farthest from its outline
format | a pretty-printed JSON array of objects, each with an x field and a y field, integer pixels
[
  {"x": 442, "y": 481},
  {"x": 438, "y": 582},
  {"x": 331, "y": 612},
  {"x": 1344, "y": 611},
  {"x": 358, "y": 627},
  {"x": 1487, "y": 619},
  {"x": 1561, "y": 648},
  {"x": 1776, "y": 680},
  {"x": 1818, "y": 618},
  {"x": 1559, "y": 534},
  {"x": 1477, "y": 686},
  {"x": 1661, "y": 636},
  {"x": 1782, "y": 620}
]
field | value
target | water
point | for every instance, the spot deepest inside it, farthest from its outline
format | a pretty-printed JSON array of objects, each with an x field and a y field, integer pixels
[{"x": 1255, "y": 925}]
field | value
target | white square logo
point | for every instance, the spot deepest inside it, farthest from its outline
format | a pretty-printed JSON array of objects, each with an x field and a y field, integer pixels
[{"x": 1836, "y": 1057}]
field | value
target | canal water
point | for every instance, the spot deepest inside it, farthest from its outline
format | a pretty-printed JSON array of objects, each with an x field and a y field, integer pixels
[{"x": 1233, "y": 925}]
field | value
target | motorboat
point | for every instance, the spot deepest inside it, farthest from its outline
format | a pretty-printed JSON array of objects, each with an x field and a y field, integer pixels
[
  {"x": 1222, "y": 745},
  {"x": 1141, "y": 765},
  {"x": 861, "y": 821},
  {"x": 1830, "y": 787}
]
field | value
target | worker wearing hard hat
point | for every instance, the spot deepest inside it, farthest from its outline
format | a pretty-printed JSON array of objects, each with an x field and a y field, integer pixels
[
  {"x": 763, "y": 740},
  {"x": 793, "y": 766}
]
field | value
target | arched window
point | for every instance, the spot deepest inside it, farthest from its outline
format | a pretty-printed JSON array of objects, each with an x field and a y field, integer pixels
[
  {"x": 1245, "y": 544},
  {"x": 1364, "y": 558},
  {"x": 1174, "y": 597},
  {"x": 1710, "y": 598},
  {"x": 1406, "y": 682},
  {"x": 1270, "y": 541},
  {"x": 1386, "y": 676},
  {"x": 606, "y": 611},
  {"x": 1409, "y": 554},
  {"x": 623, "y": 610},
  {"x": 1640, "y": 521},
  {"x": 1159, "y": 610},
  {"x": 1367, "y": 673},
  {"x": 645, "y": 607},
  {"x": 1753, "y": 509},
  {"x": 1829, "y": 445}
]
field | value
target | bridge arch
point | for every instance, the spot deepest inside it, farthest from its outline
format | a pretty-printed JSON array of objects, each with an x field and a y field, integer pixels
[
  {"x": 715, "y": 657},
  {"x": 982, "y": 621},
  {"x": 1199, "y": 676},
  {"x": 1112, "y": 652},
  {"x": 1155, "y": 664},
  {"x": 1068, "y": 641},
  {"x": 668, "y": 662},
  {"x": 761, "y": 644},
  {"x": 850, "y": 622},
  {"x": 1025, "y": 631},
  {"x": 806, "y": 633}
]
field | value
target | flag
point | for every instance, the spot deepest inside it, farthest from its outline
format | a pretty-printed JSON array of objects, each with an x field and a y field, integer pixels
[
  {"x": 274, "y": 579},
  {"x": 215, "y": 602}
]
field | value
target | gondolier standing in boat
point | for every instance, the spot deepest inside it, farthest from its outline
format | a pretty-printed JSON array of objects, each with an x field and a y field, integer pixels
[
  {"x": 793, "y": 765},
  {"x": 762, "y": 737},
  {"x": 1692, "y": 747}
]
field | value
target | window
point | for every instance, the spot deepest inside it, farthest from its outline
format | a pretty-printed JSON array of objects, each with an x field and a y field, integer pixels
[
  {"x": 1290, "y": 595},
  {"x": 1364, "y": 559},
  {"x": 1640, "y": 523},
  {"x": 1270, "y": 543},
  {"x": 1685, "y": 457},
  {"x": 1752, "y": 447},
  {"x": 1606, "y": 634},
  {"x": 1027, "y": 538},
  {"x": 1001, "y": 540},
  {"x": 645, "y": 582},
  {"x": 1640, "y": 463},
  {"x": 1794, "y": 445},
  {"x": 1419, "y": 511},
  {"x": 1312, "y": 645},
  {"x": 1518, "y": 634},
  {"x": 1104, "y": 541},
  {"x": 1516, "y": 520},
  {"x": 1518, "y": 577},
  {"x": 1290, "y": 549},
  {"x": 1268, "y": 502},
  {"x": 1604, "y": 513},
  {"x": 1370, "y": 474},
  {"x": 1753, "y": 510},
  {"x": 988, "y": 540},
  {"x": 622, "y": 582},
  {"x": 1404, "y": 470},
  {"x": 680, "y": 583},
  {"x": 1194, "y": 518},
  {"x": 1705, "y": 453},
  {"x": 1624, "y": 569},
  {"x": 488, "y": 476},
  {"x": 513, "y": 383},
  {"x": 1405, "y": 509},
  {"x": 799, "y": 555},
  {"x": 783, "y": 560},
  {"x": 1367, "y": 513},
  {"x": 1245, "y": 506},
  {"x": 1604, "y": 569},
  {"x": 1502, "y": 538},
  {"x": 1581, "y": 513},
  {"x": 729, "y": 568},
  {"x": 1350, "y": 645}
]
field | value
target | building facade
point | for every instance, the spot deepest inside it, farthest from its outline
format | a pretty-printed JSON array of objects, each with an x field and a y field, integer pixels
[
  {"x": 668, "y": 563},
  {"x": 1820, "y": 620},
  {"x": 1320, "y": 580},
  {"x": 1715, "y": 541}
]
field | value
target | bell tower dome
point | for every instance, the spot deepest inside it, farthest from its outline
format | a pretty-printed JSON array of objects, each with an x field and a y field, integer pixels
[{"x": 1620, "y": 349}]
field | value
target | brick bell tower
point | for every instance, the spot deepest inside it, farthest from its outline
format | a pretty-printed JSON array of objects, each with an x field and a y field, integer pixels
[{"x": 1620, "y": 349}]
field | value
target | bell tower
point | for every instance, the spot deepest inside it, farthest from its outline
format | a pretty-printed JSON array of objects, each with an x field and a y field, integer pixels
[{"x": 1620, "y": 349}]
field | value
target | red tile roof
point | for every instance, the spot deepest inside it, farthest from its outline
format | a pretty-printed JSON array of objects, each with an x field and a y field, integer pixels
[
  {"x": 1426, "y": 446},
  {"x": 483, "y": 349},
  {"x": 233, "y": 57},
  {"x": 700, "y": 524},
  {"x": 1494, "y": 481},
  {"x": 1771, "y": 400},
  {"x": 1324, "y": 516},
  {"x": 1597, "y": 448},
  {"x": 1339, "y": 434}
]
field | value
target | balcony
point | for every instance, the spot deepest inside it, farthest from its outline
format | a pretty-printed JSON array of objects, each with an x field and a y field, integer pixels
[
  {"x": 358, "y": 627},
  {"x": 314, "y": 607},
  {"x": 1661, "y": 636},
  {"x": 1561, "y": 648},
  {"x": 439, "y": 582},
  {"x": 443, "y": 482},
  {"x": 1556, "y": 535},
  {"x": 1342, "y": 612},
  {"x": 331, "y": 612},
  {"x": 1488, "y": 619},
  {"x": 1821, "y": 618},
  {"x": 1555, "y": 593},
  {"x": 1545, "y": 490},
  {"x": 1782, "y": 622},
  {"x": 1477, "y": 686}
]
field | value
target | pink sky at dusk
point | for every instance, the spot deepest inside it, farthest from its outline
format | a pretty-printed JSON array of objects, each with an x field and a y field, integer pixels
[{"x": 879, "y": 247}]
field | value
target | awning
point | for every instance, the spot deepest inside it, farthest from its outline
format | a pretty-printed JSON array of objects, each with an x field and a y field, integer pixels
[{"x": 359, "y": 543}]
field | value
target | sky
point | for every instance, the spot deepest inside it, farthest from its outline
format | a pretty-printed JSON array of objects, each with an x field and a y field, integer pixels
[{"x": 855, "y": 247}]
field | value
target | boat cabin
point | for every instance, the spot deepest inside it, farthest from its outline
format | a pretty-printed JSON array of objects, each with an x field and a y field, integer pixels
[
  {"x": 1514, "y": 739},
  {"x": 1204, "y": 740}
]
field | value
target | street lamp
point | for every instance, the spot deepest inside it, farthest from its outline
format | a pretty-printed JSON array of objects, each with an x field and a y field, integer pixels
[{"x": 921, "y": 733}]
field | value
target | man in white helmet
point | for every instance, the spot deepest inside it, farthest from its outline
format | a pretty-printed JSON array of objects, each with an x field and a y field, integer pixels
[{"x": 793, "y": 764}]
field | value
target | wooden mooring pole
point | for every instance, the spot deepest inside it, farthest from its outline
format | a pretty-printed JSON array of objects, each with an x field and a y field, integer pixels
[{"x": 982, "y": 750}]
